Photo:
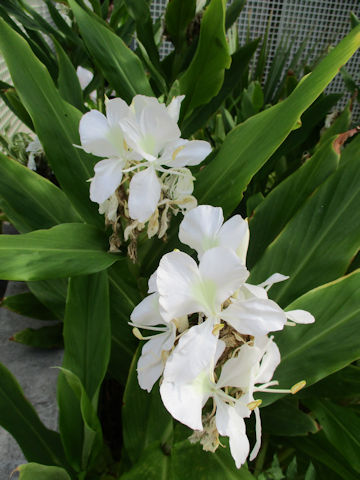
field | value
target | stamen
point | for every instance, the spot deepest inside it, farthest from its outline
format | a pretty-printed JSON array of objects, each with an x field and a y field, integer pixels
[
  {"x": 298, "y": 386},
  {"x": 217, "y": 328},
  {"x": 130, "y": 169},
  {"x": 290, "y": 324},
  {"x": 148, "y": 327},
  {"x": 254, "y": 404}
]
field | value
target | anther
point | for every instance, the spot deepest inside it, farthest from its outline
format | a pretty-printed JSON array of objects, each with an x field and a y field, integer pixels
[
  {"x": 298, "y": 386},
  {"x": 254, "y": 404}
]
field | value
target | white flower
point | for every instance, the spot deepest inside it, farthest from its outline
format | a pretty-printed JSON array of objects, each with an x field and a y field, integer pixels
[
  {"x": 186, "y": 288},
  {"x": 34, "y": 148},
  {"x": 85, "y": 77},
  {"x": 109, "y": 208},
  {"x": 203, "y": 228}
]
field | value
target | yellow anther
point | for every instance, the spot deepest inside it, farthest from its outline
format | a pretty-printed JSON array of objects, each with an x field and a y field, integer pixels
[
  {"x": 217, "y": 328},
  {"x": 136, "y": 332},
  {"x": 176, "y": 250},
  {"x": 125, "y": 145},
  {"x": 254, "y": 404},
  {"x": 298, "y": 386},
  {"x": 176, "y": 151}
]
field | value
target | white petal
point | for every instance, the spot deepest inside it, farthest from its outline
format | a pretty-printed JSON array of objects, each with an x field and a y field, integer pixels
[
  {"x": 200, "y": 227},
  {"x": 234, "y": 234},
  {"x": 175, "y": 277},
  {"x": 255, "y": 316},
  {"x": 152, "y": 283},
  {"x": 107, "y": 178},
  {"x": 94, "y": 132},
  {"x": 144, "y": 195},
  {"x": 189, "y": 153},
  {"x": 116, "y": 109},
  {"x": 269, "y": 362},
  {"x": 274, "y": 278},
  {"x": 300, "y": 316},
  {"x": 174, "y": 107},
  {"x": 239, "y": 371},
  {"x": 151, "y": 365},
  {"x": 229, "y": 423},
  {"x": 84, "y": 76},
  {"x": 222, "y": 274},
  {"x": 257, "y": 446},
  {"x": 147, "y": 312}
]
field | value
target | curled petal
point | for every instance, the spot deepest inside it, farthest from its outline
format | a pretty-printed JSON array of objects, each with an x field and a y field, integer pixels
[
  {"x": 270, "y": 359},
  {"x": 147, "y": 312},
  {"x": 107, "y": 178},
  {"x": 257, "y": 445},
  {"x": 300, "y": 316},
  {"x": 274, "y": 278},
  {"x": 144, "y": 195}
]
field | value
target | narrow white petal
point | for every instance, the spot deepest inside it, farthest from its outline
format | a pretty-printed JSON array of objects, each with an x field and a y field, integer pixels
[
  {"x": 274, "y": 278},
  {"x": 175, "y": 278},
  {"x": 94, "y": 132},
  {"x": 84, "y": 76},
  {"x": 300, "y": 316},
  {"x": 151, "y": 365},
  {"x": 229, "y": 423},
  {"x": 173, "y": 108},
  {"x": 144, "y": 195},
  {"x": 199, "y": 228},
  {"x": 255, "y": 316},
  {"x": 238, "y": 371},
  {"x": 116, "y": 109},
  {"x": 107, "y": 178},
  {"x": 152, "y": 283},
  {"x": 189, "y": 153},
  {"x": 269, "y": 362},
  {"x": 222, "y": 274},
  {"x": 234, "y": 234},
  {"x": 147, "y": 312},
  {"x": 257, "y": 446}
]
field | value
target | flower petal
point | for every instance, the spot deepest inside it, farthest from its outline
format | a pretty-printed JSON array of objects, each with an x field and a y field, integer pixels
[
  {"x": 274, "y": 278},
  {"x": 174, "y": 106},
  {"x": 107, "y": 178},
  {"x": 235, "y": 234},
  {"x": 94, "y": 132},
  {"x": 229, "y": 423},
  {"x": 147, "y": 312},
  {"x": 270, "y": 360},
  {"x": 255, "y": 316},
  {"x": 116, "y": 109},
  {"x": 84, "y": 76},
  {"x": 200, "y": 227},
  {"x": 257, "y": 445},
  {"x": 144, "y": 195},
  {"x": 300, "y": 316},
  {"x": 191, "y": 152},
  {"x": 175, "y": 277}
]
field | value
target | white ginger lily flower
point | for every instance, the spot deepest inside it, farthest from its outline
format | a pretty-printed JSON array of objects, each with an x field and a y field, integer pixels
[
  {"x": 34, "y": 148},
  {"x": 146, "y": 315},
  {"x": 203, "y": 228},
  {"x": 85, "y": 76},
  {"x": 186, "y": 288}
]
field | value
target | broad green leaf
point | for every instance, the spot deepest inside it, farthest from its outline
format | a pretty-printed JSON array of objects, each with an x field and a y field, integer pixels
[
  {"x": 43, "y": 337},
  {"x": 249, "y": 145},
  {"x": 119, "y": 65},
  {"x": 344, "y": 383},
  {"x": 45, "y": 206},
  {"x": 341, "y": 427},
  {"x": 319, "y": 242},
  {"x": 287, "y": 198},
  {"x": 144, "y": 417},
  {"x": 152, "y": 465},
  {"x": 28, "y": 305},
  {"x": 233, "y": 11},
  {"x": 305, "y": 348},
  {"x": 11, "y": 99},
  {"x": 239, "y": 64},
  {"x": 30, "y": 471},
  {"x": 284, "y": 418},
  {"x": 65, "y": 250},
  {"x": 52, "y": 294},
  {"x": 351, "y": 150},
  {"x": 68, "y": 82},
  {"x": 340, "y": 125},
  {"x": 177, "y": 18},
  {"x": 87, "y": 337},
  {"x": 20, "y": 419},
  {"x": 205, "y": 74},
  {"x": 317, "y": 447},
  {"x": 56, "y": 122}
]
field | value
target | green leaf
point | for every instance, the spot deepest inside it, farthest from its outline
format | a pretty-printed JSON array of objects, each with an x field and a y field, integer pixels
[
  {"x": 119, "y": 65},
  {"x": 153, "y": 465},
  {"x": 11, "y": 99},
  {"x": 68, "y": 82},
  {"x": 20, "y": 419},
  {"x": 249, "y": 145},
  {"x": 46, "y": 205},
  {"x": 30, "y": 471},
  {"x": 317, "y": 447},
  {"x": 205, "y": 74},
  {"x": 233, "y": 11},
  {"x": 239, "y": 63},
  {"x": 87, "y": 338},
  {"x": 28, "y": 305},
  {"x": 320, "y": 240},
  {"x": 145, "y": 419},
  {"x": 341, "y": 427},
  {"x": 340, "y": 125},
  {"x": 285, "y": 418},
  {"x": 342, "y": 384},
  {"x": 43, "y": 337},
  {"x": 65, "y": 250},
  {"x": 56, "y": 122},
  {"x": 177, "y": 18},
  {"x": 336, "y": 308},
  {"x": 52, "y": 294},
  {"x": 277, "y": 209}
]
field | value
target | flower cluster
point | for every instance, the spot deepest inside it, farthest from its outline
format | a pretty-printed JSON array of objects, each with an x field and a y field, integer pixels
[
  {"x": 144, "y": 172},
  {"x": 211, "y": 342}
]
